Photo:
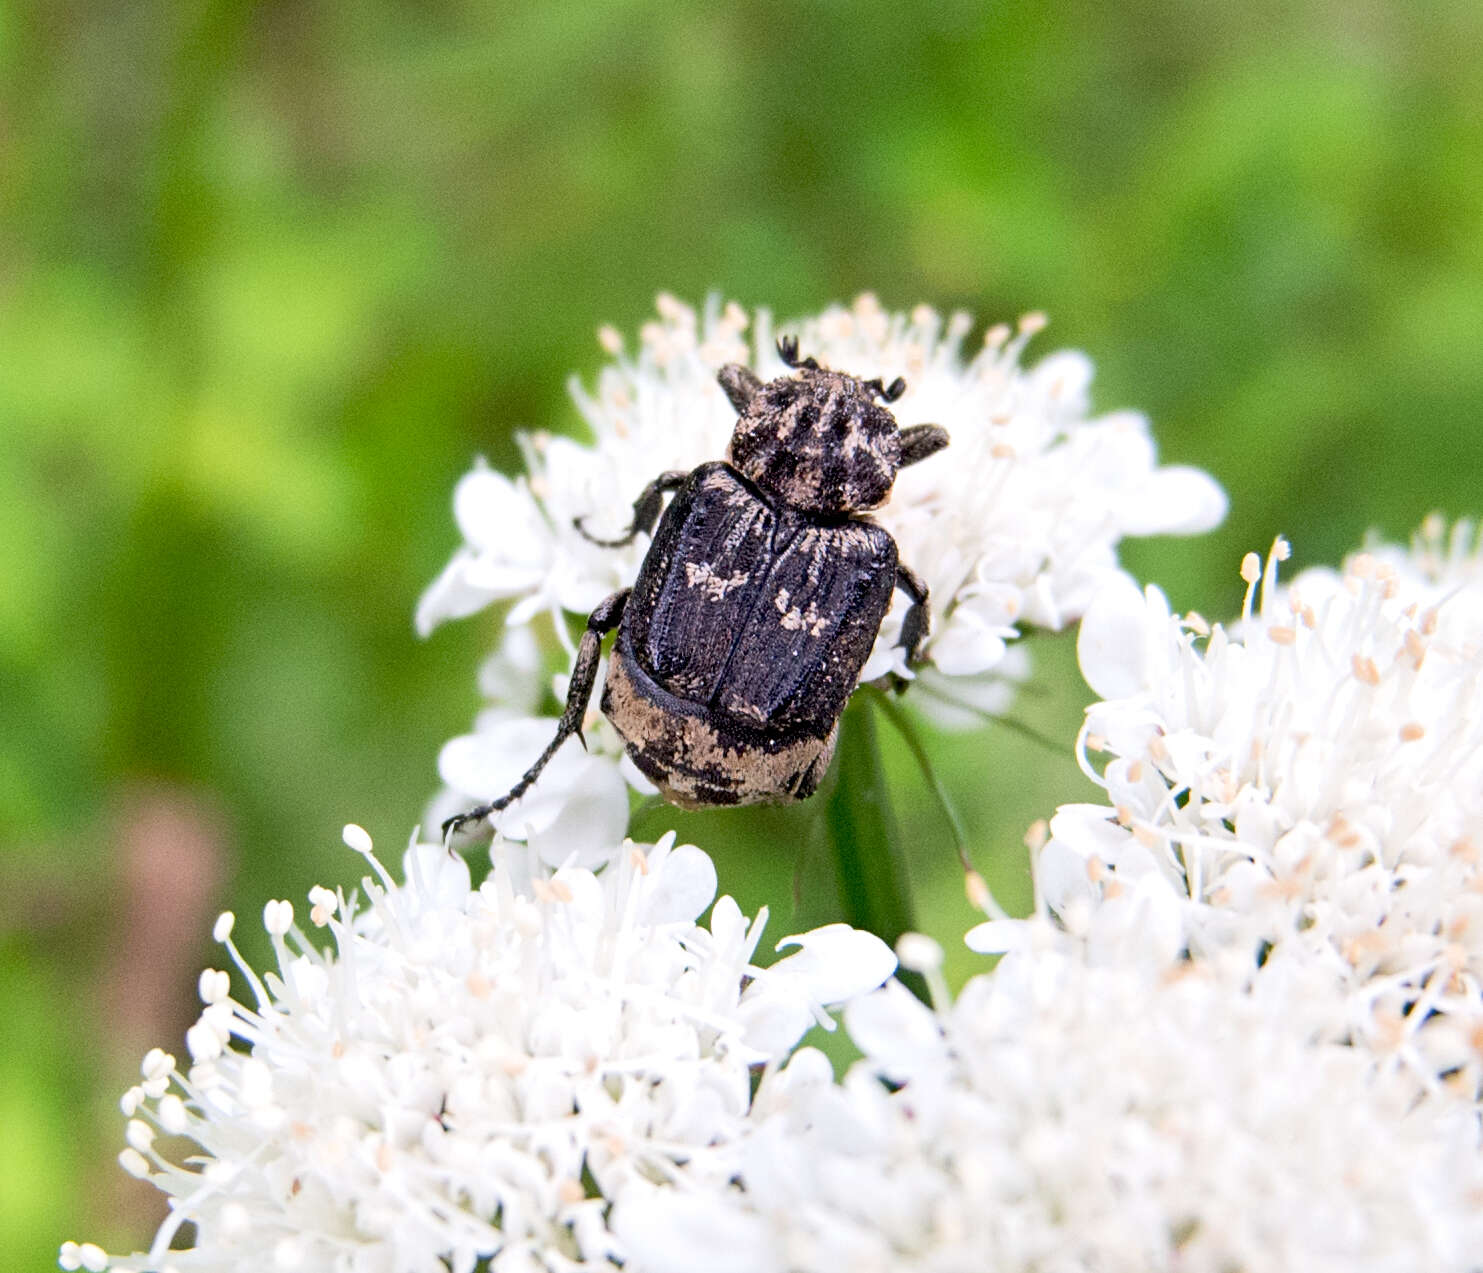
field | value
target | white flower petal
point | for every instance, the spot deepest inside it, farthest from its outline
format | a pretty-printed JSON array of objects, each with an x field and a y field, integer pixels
[
  {"x": 685, "y": 886},
  {"x": 997, "y": 936},
  {"x": 585, "y": 820},
  {"x": 899, "y": 1034},
  {"x": 836, "y": 962},
  {"x": 669, "y": 1232},
  {"x": 450, "y": 595},
  {"x": 440, "y": 878},
  {"x": 1177, "y": 501},
  {"x": 1109, "y": 645}
]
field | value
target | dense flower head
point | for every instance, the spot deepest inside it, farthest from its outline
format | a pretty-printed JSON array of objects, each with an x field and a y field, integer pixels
[
  {"x": 470, "y": 1074},
  {"x": 1017, "y": 523},
  {"x": 1062, "y": 1115},
  {"x": 1300, "y": 794}
]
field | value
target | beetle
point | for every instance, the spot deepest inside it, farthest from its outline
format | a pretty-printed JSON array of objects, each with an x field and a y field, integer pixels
[{"x": 760, "y": 597}]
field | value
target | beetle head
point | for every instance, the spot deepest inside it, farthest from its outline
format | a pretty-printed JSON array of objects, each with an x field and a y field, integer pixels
[{"x": 820, "y": 441}]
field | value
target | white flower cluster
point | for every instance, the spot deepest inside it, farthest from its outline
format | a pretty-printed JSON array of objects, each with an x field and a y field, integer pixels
[
  {"x": 1061, "y": 1116},
  {"x": 1242, "y": 1029},
  {"x": 471, "y": 1077},
  {"x": 1252, "y": 1036},
  {"x": 1300, "y": 797},
  {"x": 1018, "y": 523}
]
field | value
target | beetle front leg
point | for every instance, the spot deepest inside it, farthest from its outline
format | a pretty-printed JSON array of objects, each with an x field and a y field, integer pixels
[
  {"x": 645, "y": 511},
  {"x": 741, "y": 385},
  {"x": 584, "y": 675},
  {"x": 918, "y": 620},
  {"x": 920, "y": 441}
]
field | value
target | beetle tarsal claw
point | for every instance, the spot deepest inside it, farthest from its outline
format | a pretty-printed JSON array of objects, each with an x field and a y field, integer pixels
[
  {"x": 622, "y": 541},
  {"x": 452, "y": 826}
]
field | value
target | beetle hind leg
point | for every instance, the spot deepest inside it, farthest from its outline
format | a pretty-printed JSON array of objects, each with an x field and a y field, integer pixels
[{"x": 584, "y": 675}]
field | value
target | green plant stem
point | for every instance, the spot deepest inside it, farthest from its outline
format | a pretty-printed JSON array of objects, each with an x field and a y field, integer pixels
[{"x": 874, "y": 892}]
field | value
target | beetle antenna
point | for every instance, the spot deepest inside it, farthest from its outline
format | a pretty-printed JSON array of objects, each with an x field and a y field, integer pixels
[{"x": 887, "y": 393}]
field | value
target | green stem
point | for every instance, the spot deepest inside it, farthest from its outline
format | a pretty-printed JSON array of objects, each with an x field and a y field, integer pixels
[{"x": 873, "y": 889}]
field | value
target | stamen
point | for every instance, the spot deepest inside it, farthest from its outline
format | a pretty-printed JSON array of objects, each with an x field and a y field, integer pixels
[
  {"x": 357, "y": 838},
  {"x": 1251, "y": 571}
]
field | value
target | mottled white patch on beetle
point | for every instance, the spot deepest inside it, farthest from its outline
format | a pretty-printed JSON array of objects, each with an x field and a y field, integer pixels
[
  {"x": 700, "y": 763},
  {"x": 795, "y": 619},
  {"x": 702, "y": 575}
]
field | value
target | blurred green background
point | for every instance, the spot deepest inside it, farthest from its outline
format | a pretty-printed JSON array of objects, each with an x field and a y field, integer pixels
[{"x": 271, "y": 274}]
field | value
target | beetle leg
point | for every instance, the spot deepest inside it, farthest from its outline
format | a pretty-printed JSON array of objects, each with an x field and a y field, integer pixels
[
  {"x": 584, "y": 675},
  {"x": 788, "y": 352},
  {"x": 920, "y": 441},
  {"x": 741, "y": 385},
  {"x": 645, "y": 511},
  {"x": 886, "y": 393},
  {"x": 918, "y": 621}
]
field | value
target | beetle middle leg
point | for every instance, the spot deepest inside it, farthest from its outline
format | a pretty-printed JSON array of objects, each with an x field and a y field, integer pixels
[
  {"x": 584, "y": 675},
  {"x": 918, "y": 620},
  {"x": 645, "y": 511}
]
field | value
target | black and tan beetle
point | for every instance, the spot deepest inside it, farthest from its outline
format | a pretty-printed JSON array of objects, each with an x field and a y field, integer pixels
[{"x": 760, "y": 598}]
